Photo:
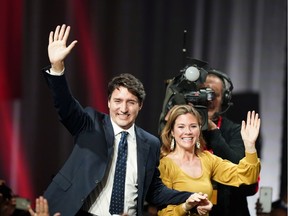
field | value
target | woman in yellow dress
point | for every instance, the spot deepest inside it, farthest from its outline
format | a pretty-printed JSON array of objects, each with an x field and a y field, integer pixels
[{"x": 185, "y": 165}]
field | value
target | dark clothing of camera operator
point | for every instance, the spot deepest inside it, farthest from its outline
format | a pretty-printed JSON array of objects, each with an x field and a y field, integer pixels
[
  {"x": 222, "y": 137},
  {"x": 224, "y": 140}
]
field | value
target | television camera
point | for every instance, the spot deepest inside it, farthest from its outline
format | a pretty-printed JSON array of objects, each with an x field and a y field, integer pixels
[{"x": 188, "y": 88}]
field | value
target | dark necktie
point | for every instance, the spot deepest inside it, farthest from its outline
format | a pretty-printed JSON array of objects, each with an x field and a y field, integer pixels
[{"x": 117, "y": 197}]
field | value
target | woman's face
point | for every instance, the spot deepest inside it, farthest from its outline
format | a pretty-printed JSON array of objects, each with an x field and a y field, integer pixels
[{"x": 186, "y": 131}]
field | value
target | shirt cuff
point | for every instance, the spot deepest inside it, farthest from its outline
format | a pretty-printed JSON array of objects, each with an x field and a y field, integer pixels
[{"x": 51, "y": 72}]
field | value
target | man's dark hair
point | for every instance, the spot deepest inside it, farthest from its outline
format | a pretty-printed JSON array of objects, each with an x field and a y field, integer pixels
[{"x": 130, "y": 82}]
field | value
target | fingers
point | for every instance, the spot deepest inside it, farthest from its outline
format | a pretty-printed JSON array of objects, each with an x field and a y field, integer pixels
[
  {"x": 56, "y": 33},
  {"x": 57, "y": 48},
  {"x": 204, "y": 207},
  {"x": 248, "y": 118},
  {"x": 252, "y": 120},
  {"x": 194, "y": 199},
  {"x": 45, "y": 205},
  {"x": 256, "y": 120},
  {"x": 41, "y": 207},
  {"x": 205, "y": 196},
  {"x": 32, "y": 213},
  {"x": 201, "y": 211},
  {"x": 37, "y": 205},
  {"x": 60, "y": 33},
  {"x": 250, "y": 130},
  {"x": 64, "y": 31},
  {"x": 258, "y": 123},
  {"x": 72, "y": 45},
  {"x": 51, "y": 37}
]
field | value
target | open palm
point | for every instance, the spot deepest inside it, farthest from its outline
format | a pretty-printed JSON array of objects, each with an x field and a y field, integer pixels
[
  {"x": 250, "y": 128},
  {"x": 57, "y": 48}
]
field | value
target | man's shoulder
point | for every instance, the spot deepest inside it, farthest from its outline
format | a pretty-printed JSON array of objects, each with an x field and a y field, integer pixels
[{"x": 93, "y": 113}]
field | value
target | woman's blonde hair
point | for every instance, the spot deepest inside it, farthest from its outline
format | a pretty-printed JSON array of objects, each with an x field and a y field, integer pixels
[{"x": 166, "y": 134}]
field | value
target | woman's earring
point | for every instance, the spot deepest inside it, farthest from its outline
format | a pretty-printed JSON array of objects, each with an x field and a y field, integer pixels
[
  {"x": 198, "y": 144},
  {"x": 172, "y": 145}
]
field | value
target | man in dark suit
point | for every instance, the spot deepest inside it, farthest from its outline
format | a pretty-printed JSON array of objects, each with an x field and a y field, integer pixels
[{"x": 84, "y": 184}]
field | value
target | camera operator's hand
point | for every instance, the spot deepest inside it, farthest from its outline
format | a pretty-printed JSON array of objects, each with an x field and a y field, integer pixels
[
  {"x": 212, "y": 125},
  {"x": 167, "y": 115}
]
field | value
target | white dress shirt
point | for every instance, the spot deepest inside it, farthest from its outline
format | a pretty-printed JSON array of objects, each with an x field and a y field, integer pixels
[{"x": 102, "y": 193}]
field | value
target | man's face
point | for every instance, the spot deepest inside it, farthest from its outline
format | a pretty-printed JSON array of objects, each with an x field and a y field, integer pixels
[
  {"x": 123, "y": 107},
  {"x": 216, "y": 84}
]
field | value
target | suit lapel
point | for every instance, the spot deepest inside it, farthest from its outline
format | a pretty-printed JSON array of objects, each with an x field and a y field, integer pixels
[
  {"x": 142, "y": 149},
  {"x": 109, "y": 133},
  {"x": 142, "y": 156}
]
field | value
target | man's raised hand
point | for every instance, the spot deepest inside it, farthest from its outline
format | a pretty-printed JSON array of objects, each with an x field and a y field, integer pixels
[{"x": 57, "y": 48}]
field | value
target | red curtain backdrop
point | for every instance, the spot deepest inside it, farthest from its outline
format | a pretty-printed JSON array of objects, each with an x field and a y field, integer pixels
[
  {"x": 89, "y": 56},
  {"x": 14, "y": 166}
]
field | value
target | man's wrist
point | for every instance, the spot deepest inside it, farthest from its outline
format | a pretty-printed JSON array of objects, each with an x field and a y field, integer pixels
[
  {"x": 184, "y": 207},
  {"x": 52, "y": 72},
  {"x": 58, "y": 67}
]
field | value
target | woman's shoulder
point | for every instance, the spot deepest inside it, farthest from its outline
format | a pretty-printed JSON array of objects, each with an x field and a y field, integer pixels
[
  {"x": 167, "y": 166},
  {"x": 166, "y": 160}
]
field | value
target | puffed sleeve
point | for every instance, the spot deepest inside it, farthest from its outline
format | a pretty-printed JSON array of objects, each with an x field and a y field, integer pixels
[{"x": 246, "y": 172}]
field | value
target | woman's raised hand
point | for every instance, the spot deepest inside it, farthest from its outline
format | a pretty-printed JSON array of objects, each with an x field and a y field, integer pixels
[{"x": 250, "y": 131}]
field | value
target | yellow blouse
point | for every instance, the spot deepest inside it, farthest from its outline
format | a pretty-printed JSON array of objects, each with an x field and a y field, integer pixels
[{"x": 213, "y": 167}]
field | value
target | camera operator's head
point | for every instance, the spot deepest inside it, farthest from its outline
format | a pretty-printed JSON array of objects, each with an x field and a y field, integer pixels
[{"x": 222, "y": 86}]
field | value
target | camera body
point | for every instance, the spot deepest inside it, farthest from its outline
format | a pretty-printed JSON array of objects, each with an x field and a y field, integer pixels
[
  {"x": 199, "y": 97},
  {"x": 188, "y": 88}
]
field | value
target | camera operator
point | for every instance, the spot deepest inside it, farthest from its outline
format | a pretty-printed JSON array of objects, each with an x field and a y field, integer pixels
[
  {"x": 224, "y": 140},
  {"x": 222, "y": 137}
]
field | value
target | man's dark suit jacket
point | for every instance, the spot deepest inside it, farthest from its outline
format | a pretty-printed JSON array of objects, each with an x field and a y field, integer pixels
[{"x": 88, "y": 162}]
